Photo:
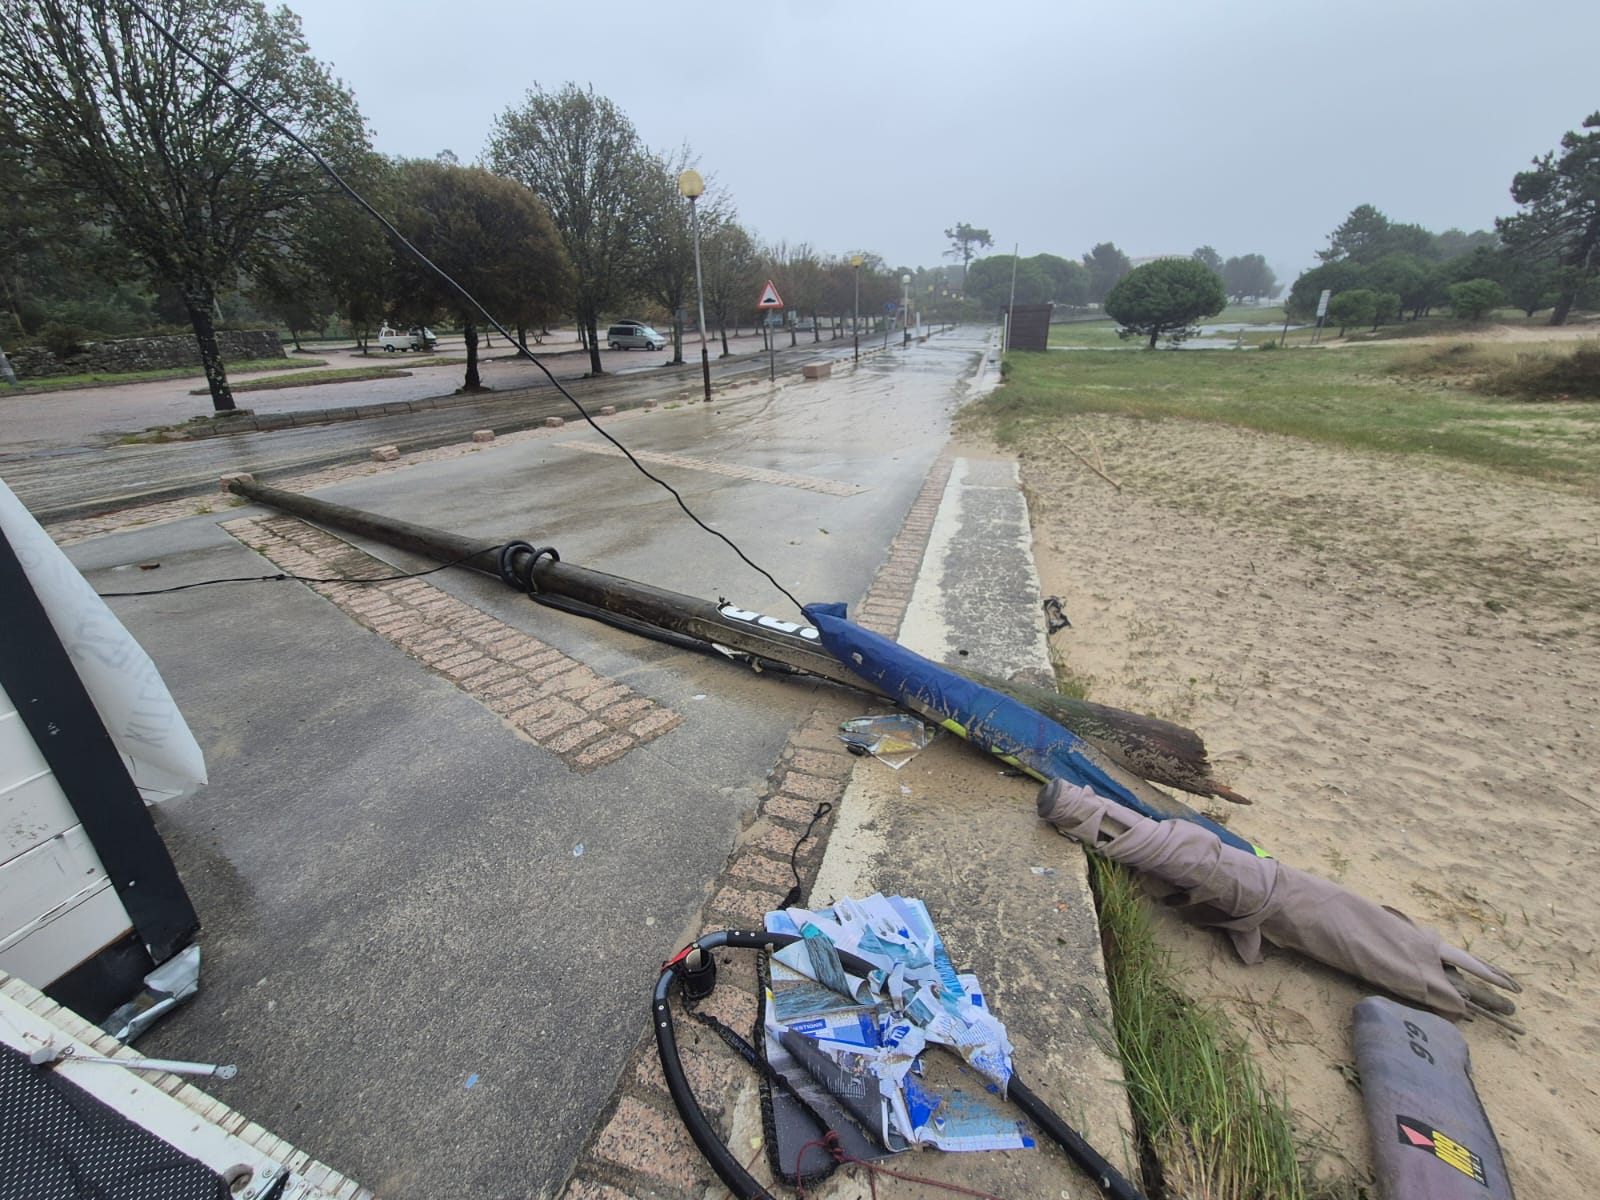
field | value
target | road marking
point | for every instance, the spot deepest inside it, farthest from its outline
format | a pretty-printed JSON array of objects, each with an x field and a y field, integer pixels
[
  {"x": 828, "y": 487},
  {"x": 557, "y": 702}
]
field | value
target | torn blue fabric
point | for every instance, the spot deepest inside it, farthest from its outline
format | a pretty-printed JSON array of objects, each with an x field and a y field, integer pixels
[{"x": 983, "y": 716}]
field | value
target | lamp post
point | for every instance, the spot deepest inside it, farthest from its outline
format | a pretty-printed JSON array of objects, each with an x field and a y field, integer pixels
[
  {"x": 691, "y": 187},
  {"x": 905, "y": 309},
  {"x": 855, "y": 264}
]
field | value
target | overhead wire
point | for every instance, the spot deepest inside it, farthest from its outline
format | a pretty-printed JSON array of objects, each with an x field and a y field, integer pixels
[
  {"x": 401, "y": 240},
  {"x": 282, "y": 575}
]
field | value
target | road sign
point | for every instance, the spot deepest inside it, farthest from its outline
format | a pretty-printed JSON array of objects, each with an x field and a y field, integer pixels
[
  {"x": 1322, "y": 303},
  {"x": 769, "y": 297},
  {"x": 888, "y": 306}
]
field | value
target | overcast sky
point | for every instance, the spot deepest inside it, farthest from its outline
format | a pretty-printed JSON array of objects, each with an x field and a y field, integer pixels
[{"x": 1160, "y": 125}]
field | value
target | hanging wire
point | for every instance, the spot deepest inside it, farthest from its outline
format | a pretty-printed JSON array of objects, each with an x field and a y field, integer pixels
[{"x": 250, "y": 102}]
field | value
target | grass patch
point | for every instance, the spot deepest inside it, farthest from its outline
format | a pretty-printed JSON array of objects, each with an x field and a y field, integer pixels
[
  {"x": 312, "y": 378},
  {"x": 1204, "y": 1111},
  {"x": 58, "y": 383},
  {"x": 1349, "y": 397}
]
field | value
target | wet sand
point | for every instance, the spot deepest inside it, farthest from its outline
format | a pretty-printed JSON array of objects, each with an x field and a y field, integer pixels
[{"x": 1397, "y": 660}]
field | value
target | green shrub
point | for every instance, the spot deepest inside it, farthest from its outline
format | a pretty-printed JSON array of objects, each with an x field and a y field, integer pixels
[
  {"x": 1573, "y": 375},
  {"x": 62, "y": 339}
]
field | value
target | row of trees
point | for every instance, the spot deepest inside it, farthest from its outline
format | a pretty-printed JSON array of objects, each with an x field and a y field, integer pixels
[
  {"x": 1547, "y": 255},
  {"x": 1045, "y": 278},
  {"x": 137, "y": 191}
]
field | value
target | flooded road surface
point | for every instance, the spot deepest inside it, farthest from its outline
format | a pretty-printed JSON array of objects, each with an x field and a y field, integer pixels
[{"x": 59, "y": 474}]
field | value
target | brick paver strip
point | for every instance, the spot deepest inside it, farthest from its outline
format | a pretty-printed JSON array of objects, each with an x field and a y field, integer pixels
[
  {"x": 477, "y": 653},
  {"x": 814, "y": 768},
  {"x": 828, "y": 487}
]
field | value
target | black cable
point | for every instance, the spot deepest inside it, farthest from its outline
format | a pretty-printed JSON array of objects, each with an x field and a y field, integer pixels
[
  {"x": 731, "y": 1171},
  {"x": 454, "y": 562},
  {"x": 449, "y": 281},
  {"x": 792, "y": 897}
]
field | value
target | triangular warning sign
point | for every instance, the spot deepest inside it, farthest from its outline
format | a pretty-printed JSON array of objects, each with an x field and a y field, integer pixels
[{"x": 769, "y": 297}]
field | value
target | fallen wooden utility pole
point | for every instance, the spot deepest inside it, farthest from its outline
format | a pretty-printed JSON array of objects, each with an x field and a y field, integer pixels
[
  {"x": 1125, "y": 745},
  {"x": 718, "y": 625}
]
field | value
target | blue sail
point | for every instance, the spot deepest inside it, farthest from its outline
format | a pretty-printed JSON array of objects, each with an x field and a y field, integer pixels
[{"x": 985, "y": 717}]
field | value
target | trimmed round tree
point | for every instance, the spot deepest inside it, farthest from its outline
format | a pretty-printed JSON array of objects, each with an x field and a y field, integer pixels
[{"x": 1165, "y": 298}]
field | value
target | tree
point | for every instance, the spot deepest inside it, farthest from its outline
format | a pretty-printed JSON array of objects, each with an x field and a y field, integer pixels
[
  {"x": 1418, "y": 282},
  {"x": 1069, "y": 281},
  {"x": 1106, "y": 266},
  {"x": 1453, "y": 243},
  {"x": 731, "y": 267},
  {"x": 1248, "y": 277},
  {"x": 1308, "y": 288},
  {"x": 1360, "y": 238},
  {"x": 187, "y": 173},
  {"x": 1560, "y": 218},
  {"x": 665, "y": 268},
  {"x": 1164, "y": 299},
  {"x": 492, "y": 235},
  {"x": 962, "y": 239},
  {"x": 1475, "y": 299},
  {"x": 989, "y": 281},
  {"x": 579, "y": 153},
  {"x": 1358, "y": 306},
  {"x": 1207, "y": 255}
]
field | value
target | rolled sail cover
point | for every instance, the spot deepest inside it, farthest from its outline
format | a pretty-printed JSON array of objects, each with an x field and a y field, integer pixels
[{"x": 1431, "y": 1139}]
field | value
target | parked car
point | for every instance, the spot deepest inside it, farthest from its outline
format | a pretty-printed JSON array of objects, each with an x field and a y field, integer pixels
[
  {"x": 420, "y": 338},
  {"x": 631, "y": 336}
]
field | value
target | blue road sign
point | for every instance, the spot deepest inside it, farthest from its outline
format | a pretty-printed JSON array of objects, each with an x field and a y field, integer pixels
[{"x": 888, "y": 306}]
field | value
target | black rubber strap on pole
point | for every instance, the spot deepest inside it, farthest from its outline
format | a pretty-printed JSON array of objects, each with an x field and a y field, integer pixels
[{"x": 38, "y": 675}]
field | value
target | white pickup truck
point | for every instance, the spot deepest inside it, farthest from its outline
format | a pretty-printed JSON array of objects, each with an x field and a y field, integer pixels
[{"x": 413, "y": 339}]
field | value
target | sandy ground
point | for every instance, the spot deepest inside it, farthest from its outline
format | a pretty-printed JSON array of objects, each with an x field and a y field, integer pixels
[{"x": 1398, "y": 661}]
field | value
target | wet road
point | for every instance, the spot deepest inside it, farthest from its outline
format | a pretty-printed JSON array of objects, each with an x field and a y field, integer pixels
[
  {"x": 78, "y": 480},
  {"x": 400, "y": 894}
]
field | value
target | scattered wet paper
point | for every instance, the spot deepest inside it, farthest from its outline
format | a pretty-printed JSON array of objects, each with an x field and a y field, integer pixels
[{"x": 873, "y": 1032}]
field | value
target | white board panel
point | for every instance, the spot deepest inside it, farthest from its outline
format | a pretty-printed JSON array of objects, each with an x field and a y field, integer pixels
[{"x": 47, "y": 948}]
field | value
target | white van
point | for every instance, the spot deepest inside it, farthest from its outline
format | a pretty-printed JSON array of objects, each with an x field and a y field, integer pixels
[
  {"x": 415, "y": 339},
  {"x": 634, "y": 337}
]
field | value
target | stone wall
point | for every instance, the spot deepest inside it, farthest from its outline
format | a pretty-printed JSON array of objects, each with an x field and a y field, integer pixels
[{"x": 144, "y": 354}]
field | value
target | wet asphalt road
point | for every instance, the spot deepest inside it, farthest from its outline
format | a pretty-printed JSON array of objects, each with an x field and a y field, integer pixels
[
  {"x": 399, "y": 894},
  {"x": 80, "y": 480}
]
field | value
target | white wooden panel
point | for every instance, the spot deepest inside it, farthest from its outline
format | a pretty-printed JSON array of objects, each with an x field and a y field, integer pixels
[
  {"x": 33, "y": 807},
  {"x": 50, "y": 946},
  {"x": 40, "y": 891},
  {"x": 32, "y": 811},
  {"x": 19, "y": 757}
]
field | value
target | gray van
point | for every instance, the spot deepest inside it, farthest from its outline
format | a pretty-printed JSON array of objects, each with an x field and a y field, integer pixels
[{"x": 634, "y": 337}]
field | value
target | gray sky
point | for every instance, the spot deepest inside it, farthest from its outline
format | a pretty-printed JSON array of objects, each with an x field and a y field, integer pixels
[{"x": 1160, "y": 125}]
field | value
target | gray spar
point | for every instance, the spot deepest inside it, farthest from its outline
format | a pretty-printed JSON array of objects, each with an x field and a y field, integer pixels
[{"x": 47, "y": 1055}]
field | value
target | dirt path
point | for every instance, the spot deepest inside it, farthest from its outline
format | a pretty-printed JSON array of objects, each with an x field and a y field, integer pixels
[{"x": 1398, "y": 661}]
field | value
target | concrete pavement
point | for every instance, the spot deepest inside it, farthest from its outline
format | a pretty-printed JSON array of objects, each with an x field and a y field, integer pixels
[{"x": 450, "y": 836}]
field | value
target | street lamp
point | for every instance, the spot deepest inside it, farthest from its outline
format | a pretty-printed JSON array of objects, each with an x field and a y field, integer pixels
[
  {"x": 855, "y": 263},
  {"x": 691, "y": 187},
  {"x": 905, "y": 308}
]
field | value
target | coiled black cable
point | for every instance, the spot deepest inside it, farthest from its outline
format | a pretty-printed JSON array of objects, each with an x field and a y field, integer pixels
[{"x": 731, "y": 1171}]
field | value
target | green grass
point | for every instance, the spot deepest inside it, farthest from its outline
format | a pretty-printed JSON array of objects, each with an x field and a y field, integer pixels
[
  {"x": 1204, "y": 1111},
  {"x": 1350, "y": 397},
  {"x": 57, "y": 383},
  {"x": 312, "y": 378}
]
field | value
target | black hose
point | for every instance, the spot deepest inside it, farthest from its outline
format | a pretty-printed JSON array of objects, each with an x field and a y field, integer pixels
[{"x": 731, "y": 1171}]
